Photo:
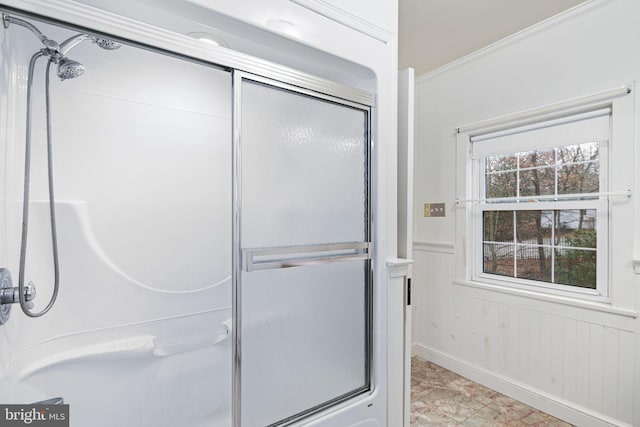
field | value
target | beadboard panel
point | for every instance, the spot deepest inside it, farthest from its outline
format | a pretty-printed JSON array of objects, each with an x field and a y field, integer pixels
[{"x": 580, "y": 363}]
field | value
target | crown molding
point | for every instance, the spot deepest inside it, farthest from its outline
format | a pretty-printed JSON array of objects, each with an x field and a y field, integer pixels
[
  {"x": 336, "y": 14},
  {"x": 531, "y": 31}
]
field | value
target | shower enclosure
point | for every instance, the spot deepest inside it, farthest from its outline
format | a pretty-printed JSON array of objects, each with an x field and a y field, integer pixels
[{"x": 213, "y": 232}]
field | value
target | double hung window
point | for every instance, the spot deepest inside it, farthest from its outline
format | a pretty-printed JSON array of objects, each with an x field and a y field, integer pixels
[{"x": 540, "y": 219}]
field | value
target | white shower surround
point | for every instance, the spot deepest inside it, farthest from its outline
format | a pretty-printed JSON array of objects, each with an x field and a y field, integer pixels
[{"x": 155, "y": 328}]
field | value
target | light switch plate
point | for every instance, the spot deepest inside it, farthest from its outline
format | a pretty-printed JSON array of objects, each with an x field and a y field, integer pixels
[{"x": 434, "y": 210}]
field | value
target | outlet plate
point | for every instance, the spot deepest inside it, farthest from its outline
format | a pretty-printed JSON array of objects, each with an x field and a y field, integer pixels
[{"x": 434, "y": 210}]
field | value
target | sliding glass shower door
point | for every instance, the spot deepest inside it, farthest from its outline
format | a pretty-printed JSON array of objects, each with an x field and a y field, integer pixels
[{"x": 303, "y": 272}]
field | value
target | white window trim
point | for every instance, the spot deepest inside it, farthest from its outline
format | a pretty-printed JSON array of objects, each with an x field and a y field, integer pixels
[
  {"x": 601, "y": 205},
  {"x": 468, "y": 257}
]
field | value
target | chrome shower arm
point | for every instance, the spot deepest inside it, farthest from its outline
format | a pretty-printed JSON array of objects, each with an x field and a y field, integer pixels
[
  {"x": 8, "y": 19},
  {"x": 72, "y": 42}
]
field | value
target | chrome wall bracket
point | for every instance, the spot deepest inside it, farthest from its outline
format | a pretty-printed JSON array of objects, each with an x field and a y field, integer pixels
[
  {"x": 11, "y": 295},
  {"x": 6, "y": 286}
]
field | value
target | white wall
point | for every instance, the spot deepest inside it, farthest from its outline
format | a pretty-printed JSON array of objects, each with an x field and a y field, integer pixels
[{"x": 574, "y": 362}]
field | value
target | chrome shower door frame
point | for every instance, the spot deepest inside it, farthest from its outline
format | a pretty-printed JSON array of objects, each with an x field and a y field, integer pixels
[{"x": 258, "y": 259}]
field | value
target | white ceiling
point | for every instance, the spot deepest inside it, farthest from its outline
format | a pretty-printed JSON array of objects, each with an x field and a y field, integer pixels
[{"x": 436, "y": 32}]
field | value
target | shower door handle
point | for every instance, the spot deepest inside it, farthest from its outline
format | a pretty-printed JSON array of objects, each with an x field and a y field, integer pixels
[{"x": 298, "y": 256}]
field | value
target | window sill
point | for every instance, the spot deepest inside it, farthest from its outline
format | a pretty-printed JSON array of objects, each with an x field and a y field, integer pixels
[{"x": 556, "y": 299}]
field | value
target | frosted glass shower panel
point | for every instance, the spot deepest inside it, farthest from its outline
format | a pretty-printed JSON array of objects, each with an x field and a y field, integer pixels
[
  {"x": 303, "y": 339},
  {"x": 305, "y": 269},
  {"x": 304, "y": 161}
]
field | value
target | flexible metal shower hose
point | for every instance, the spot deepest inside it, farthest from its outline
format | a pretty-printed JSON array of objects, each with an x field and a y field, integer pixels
[{"x": 25, "y": 200}]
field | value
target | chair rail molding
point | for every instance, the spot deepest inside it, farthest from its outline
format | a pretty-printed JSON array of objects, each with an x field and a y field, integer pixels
[
  {"x": 433, "y": 246},
  {"x": 398, "y": 267}
]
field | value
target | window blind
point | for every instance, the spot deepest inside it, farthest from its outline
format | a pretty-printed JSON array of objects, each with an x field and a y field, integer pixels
[{"x": 573, "y": 129}]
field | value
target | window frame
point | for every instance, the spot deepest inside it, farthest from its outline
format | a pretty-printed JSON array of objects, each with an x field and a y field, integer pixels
[
  {"x": 476, "y": 182},
  {"x": 601, "y": 291}
]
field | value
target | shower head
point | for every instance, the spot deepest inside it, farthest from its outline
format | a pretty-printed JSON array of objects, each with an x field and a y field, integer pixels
[
  {"x": 69, "y": 69},
  {"x": 71, "y": 42},
  {"x": 106, "y": 44},
  {"x": 56, "y": 52}
]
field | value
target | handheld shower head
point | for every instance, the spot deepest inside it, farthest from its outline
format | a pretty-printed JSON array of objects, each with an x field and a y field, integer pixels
[
  {"x": 69, "y": 69},
  {"x": 106, "y": 44}
]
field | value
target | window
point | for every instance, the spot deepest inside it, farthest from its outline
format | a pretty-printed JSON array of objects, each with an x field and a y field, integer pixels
[{"x": 540, "y": 220}]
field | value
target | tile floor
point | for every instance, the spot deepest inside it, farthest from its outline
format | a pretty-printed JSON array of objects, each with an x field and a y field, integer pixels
[{"x": 442, "y": 398}]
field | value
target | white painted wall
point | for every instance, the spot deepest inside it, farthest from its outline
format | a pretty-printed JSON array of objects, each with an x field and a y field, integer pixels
[{"x": 574, "y": 362}]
